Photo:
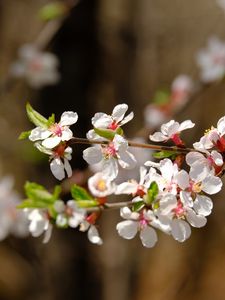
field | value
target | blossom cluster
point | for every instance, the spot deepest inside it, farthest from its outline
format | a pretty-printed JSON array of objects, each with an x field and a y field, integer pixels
[{"x": 172, "y": 195}]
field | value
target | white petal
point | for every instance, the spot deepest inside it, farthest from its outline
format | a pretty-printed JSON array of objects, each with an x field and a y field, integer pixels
[
  {"x": 127, "y": 229},
  {"x": 167, "y": 204},
  {"x": 211, "y": 184},
  {"x": 148, "y": 237},
  {"x": 57, "y": 168},
  {"x": 127, "y": 119},
  {"x": 93, "y": 235},
  {"x": 198, "y": 172},
  {"x": 51, "y": 142},
  {"x": 158, "y": 137},
  {"x": 68, "y": 168},
  {"x": 67, "y": 134},
  {"x": 194, "y": 219},
  {"x": 217, "y": 157},
  {"x": 48, "y": 234},
  {"x": 180, "y": 230},
  {"x": 127, "y": 160},
  {"x": 193, "y": 157},
  {"x": 203, "y": 205},
  {"x": 119, "y": 112},
  {"x": 92, "y": 155},
  {"x": 39, "y": 133},
  {"x": 110, "y": 168},
  {"x": 221, "y": 126},
  {"x": 186, "y": 199},
  {"x": 182, "y": 178},
  {"x": 101, "y": 120},
  {"x": 186, "y": 125},
  {"x": 126, "y": 213},
  {"x": 126, "y": 188},
  {"x": 68, "y": 118}
]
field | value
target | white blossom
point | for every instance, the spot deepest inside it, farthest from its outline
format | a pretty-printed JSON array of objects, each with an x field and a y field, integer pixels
[
  {"x": 110, "y": 155},
  {"x": 37, "y": 67},
  {"x": 92, "y": 233},
  {"x": 56, "y": 133},
  {"x": 113, "y": 121},
  {"x": 59, "y": 160},
  {"x": 171, "y": 130},
  {"x": 211, "y": 60},
  {"x": 101, "y": 185}
]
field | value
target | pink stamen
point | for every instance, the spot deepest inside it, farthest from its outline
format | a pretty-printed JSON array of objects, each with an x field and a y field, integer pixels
[
  {"x": 177, "y": 140},
  {"x": 56, "y": 129},
  {"x": 113, "y": 125}
]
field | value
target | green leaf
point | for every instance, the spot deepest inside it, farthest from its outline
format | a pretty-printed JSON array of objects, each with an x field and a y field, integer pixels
[
  {"x": 57, "y": 191},
  {"x": 105, "y": 133},
  {"x": 35, "y": 117},
  {"x": 28, "y": 203},
  {"x": 51, "y": 120},
  {"x": 79, "y": 193},
  {"x": 164, "y": 154},
  {"x": 138, "y": 205},
  {"x": 24, "y": 135},
  {"x": 151, "y": 193},
  {"x": 161, "y": 97},
  {"x": 38, "y": 193},
  {"x": 52, "y": 11},
  {"x": 87, "y": 203}
]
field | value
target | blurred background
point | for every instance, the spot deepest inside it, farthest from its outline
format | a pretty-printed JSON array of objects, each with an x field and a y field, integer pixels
[{"x": 109, "y": 52}]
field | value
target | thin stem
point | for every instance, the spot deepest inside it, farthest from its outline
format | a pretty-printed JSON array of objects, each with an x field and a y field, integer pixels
[
  {"x": 76, "y": 140},
  {"x": 108, "y": 206}
]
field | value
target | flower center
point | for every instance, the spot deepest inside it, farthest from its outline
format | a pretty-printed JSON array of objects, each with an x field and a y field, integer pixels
[
  {"x": 101, "y": 185},
  {"x": 109, "y": 150},
  {"x": 113, "y": 125},
  {"x": 179, "y": 210},
  {"x": 56, "y": 129}
]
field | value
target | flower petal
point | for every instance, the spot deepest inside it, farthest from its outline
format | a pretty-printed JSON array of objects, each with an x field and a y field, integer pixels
[
  {"x": 39, "y": 133},
  {"x": 68, "y": 118},
  {"x": 212, "y": 184},
  {"x": 186, "y": 125},
  {"x": 57, "y": 168},
  {"x": 51, "y": 142},
  {"x": 194, "y": 219},
  {"x": 127, "y": 160},
  {"x": 93, "y": 236},
  {"x": 119, "y": 112},
  {"x": 180, "y": 230},
  {"x": 203, "y": 205},
  {"x": 148, "y": 237},
  {"x": 158, "y": 137},
  {"x": 127, "y": 229},
  {"x": 68, "y": 168},
  {"x": 92, "y": 155}
]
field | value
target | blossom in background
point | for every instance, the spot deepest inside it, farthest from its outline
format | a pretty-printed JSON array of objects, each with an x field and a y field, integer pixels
[
  {"x": 39, "y": 223},
  {"x": 59, "y": 132},
  {"x": 37, "y": 67},
  {"x": 110, "y": 155},
  {"x": 154, "y": 115},
  {"x": 181, "y": 89},
  {"x": 211, "y": 60},
  {"x": 59, "y": 159},
  {"x": 112, "y": 122},
  {"x": 221, "y": 4},
  {"x": 101, "y": 185},
  {"x": 171, "y": 131},
  {"x": 12, "y": 220}
]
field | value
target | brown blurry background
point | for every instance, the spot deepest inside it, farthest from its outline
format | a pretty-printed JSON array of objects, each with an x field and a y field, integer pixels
[{"x": 110, "y": 52}]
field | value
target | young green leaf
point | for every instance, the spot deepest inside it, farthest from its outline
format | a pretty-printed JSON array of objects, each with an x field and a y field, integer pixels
[
  {"x": 38, "y": 193},
  {"x": 87, "y": 203},
  {"x": 138, "y": 205},
  {"x": 105, "y": 133},
  {"x": 164, "y": 154},
  {"x": 79, "y": 193},
  {"x": 35, "y": 117},
  {"x": 52, "y": 11},
  {"x": 51, "y": 120},
  {"x": 24, "y": 135},
  {"x": 152, "y": 193}
]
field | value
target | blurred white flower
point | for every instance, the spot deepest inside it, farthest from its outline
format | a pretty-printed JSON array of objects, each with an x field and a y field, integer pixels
[
  {"x": 37, "y": 67},
  {"x": 12, "y": 220},
  {"x": 101, "y": 185},
  {"x": 211, "y": 60}
]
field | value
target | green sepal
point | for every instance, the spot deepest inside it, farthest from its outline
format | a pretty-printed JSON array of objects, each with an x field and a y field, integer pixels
[
  {"x": 161, "y": 97},
  {"x": 164, "y": 154},
  {"x": 51, "y": 120},
  {"x": 79, "y": 193},
  {"x": 52, "y": 11},
  {"x": 138, "y": 205},
  {"x": 87, "y": 203},
  {"x": 152, "y": 193},
  {"x": 29, "y": 203},
  {"x": 24, "y": 135},
  {"x": 57, "y": 191},
  {"x": 108, "y": 134},
  {"x": 35, "y": 117}
]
